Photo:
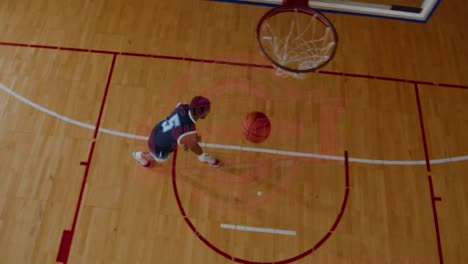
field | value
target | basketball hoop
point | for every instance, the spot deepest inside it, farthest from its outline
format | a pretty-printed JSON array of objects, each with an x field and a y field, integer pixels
[{"x": 296, "y": 39}]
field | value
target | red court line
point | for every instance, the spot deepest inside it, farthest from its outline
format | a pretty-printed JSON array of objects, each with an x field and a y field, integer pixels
[
  {"x": 75, "y": 49},
  {"x": 344, "y": 74},
  {"x": 43, "y": 47},
  {"x": 436, "y": 220},
  {"x": 13, "y": 44},
  {"x": 196, "y": 60},
  {"x": 428, "y": 166},
  {"x": 83, "y": 184},
  {"x": 423, "y": 131},
  {"x": 364, "y": 76},
  {"x": 67, "y": 235},
  {"x": 65, "y": 245},
  {"x": 239, "y": 260},
  {"x": 104, "y": 98},
  {"x": 452, "y": 85},
  {"x": 343, "y": 206},
  {"x": 103, "y": 52}
]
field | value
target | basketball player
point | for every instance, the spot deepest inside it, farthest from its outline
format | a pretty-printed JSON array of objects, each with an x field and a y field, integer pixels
[{"x": 178, "y": 129}]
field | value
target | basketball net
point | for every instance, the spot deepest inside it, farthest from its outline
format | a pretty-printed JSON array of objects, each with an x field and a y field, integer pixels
[
  {"x": 302, "y": 42},
  {"x": 294, "y": 49}
]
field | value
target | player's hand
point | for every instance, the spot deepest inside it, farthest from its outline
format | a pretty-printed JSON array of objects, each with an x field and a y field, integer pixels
[{"x": 190, "y": 141}]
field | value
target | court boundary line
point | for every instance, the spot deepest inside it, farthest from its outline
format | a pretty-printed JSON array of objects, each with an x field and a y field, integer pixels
[{"x": 211, "y": 61}]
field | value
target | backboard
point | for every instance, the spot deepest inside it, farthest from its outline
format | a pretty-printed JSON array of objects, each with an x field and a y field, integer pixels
[{"x": 414, "y": 11}]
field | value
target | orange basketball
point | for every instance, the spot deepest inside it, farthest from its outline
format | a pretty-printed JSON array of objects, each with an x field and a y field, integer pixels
[{"x": 256, "y": 127}]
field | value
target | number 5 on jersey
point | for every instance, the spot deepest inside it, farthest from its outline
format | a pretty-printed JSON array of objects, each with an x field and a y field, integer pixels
[{"x": 171, "y": 123}]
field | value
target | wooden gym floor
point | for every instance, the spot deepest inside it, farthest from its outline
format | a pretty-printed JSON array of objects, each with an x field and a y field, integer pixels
[{"x": 366, "y": 163}]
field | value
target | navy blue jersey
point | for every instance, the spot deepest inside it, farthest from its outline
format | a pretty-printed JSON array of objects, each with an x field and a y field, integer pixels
[{"x": 168, "y": 132}]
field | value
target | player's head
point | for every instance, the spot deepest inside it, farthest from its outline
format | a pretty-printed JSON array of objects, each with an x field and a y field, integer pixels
[{"x": 200, "y": 107}]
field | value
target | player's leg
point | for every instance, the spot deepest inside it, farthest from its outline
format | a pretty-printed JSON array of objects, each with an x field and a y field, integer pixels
[
  {"x": 145, "y": 158},
  {"x": 160, "y": 156}
]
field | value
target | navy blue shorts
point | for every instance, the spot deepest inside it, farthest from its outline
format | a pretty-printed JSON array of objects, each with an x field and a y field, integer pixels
[{"x": 159, "y": 156}]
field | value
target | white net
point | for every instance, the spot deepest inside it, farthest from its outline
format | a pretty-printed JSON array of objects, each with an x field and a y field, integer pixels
[
  {"x": 285, "y": 74},
  {"x": 297, "y": 41}
]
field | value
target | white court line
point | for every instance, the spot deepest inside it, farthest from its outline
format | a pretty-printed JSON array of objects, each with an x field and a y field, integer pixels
[
  {"x": 237, "y": 148},
  {"x": 45, "y": 110},
  {"x": 259, "y": 230},
  {"x": 122, "y": 134}
]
